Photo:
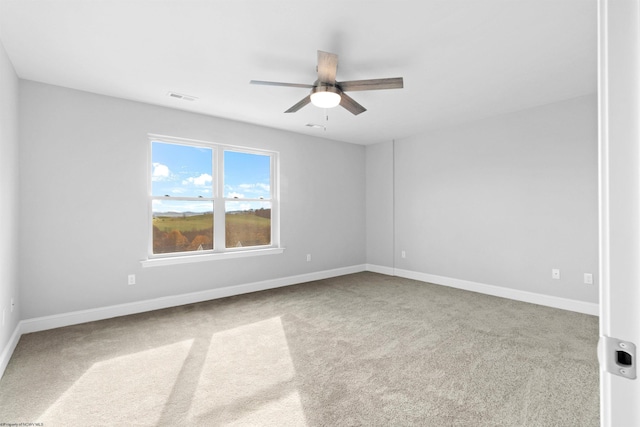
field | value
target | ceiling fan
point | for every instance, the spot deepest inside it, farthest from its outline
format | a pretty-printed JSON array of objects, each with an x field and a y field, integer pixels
[{"x": 326, "y": 92}]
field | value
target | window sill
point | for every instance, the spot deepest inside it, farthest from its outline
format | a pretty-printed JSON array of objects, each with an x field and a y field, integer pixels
[{"x": 156, "y": 262}]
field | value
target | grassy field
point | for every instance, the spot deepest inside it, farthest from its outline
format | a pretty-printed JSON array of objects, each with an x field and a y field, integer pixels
[
  {"x": 247, "y": 230},
  {"x": 243, "y": 220},
  {"x": 178, "y": 234},
  {"x": 190, "y": 223}
]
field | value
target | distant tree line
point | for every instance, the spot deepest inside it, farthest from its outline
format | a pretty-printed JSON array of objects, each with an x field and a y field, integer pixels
[
  {"x": 263, "y": 213},
  {"x": 181, "y": 241},
  {"x": 178, "y": 234}
]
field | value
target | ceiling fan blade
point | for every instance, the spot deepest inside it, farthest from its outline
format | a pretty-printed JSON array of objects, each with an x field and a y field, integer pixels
[
  {"x": 327, "y": 67},
  {"x": 300, "y": 104},
  {"x": 372, "y": 84},
  {"x": 261, "y": 82},
  {"x": 350, "y": 105}
]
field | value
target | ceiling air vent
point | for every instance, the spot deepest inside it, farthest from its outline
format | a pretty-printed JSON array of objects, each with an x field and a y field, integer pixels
[
  {"x": 315, "y": 126},
  {"x": 181, "y": 96}
]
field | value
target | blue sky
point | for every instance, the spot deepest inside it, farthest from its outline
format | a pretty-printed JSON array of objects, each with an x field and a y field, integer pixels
[
  {"x": 186, "y": 171},
  {"x": 246, "y": 175}
]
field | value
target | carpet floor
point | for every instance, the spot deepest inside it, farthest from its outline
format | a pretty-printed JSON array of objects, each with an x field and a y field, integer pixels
[{"x": 358, "y": 350}]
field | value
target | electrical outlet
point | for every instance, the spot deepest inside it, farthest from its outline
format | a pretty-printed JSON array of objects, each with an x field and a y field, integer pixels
[
  {"x": 555, "y": 274},
  {"x": 308, "y": 257},
  {"x": 132, "y": 279},
  {"x": 403, "y": 254},
  {"x": 588, "y": 278}
]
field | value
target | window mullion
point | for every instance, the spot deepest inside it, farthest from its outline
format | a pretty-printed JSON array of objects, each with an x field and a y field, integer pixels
[
  {"x": 218, "y": 204},
  {"x": 275, "y": 204}
]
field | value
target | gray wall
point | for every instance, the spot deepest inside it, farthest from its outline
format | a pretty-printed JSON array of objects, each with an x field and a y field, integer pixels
[
  {"x": 379, "y": 169},
  {"x": 84, "y": 202},
  {"x": 9, "y": 197},
  {"x": 501, "y": 201}
]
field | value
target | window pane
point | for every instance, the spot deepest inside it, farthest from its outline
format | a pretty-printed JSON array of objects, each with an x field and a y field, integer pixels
[
  {"x": 180, "y": 226},
  {"x": 247, "y": 176},
  {"x": 180, "y": 170},
  {"x": 247, "y": 224}
]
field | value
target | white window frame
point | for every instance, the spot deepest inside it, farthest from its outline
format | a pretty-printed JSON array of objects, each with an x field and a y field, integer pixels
[{"x": 219, "y": 200}]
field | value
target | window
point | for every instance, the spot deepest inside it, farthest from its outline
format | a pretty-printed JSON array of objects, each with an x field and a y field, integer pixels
[{"x": 211, "y": 198}]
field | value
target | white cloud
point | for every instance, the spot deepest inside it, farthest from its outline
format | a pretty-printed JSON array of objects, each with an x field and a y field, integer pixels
[
  {"x": 160, "y": 172},
  {"x": 237, "y": 206},
  {"x": 200, "y": 181},
  {"x": 258, "y": 188},
  {"x": 265, "y": 187},
  {"x": 160, "y": 206},
  {"x": 233, "y": 194}
]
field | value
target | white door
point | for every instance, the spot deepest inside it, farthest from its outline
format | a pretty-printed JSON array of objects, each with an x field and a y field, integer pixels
[{"x": 619, "y": 91}]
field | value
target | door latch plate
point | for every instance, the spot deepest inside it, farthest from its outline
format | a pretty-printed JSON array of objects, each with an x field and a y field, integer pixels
[{"x": 618, "y": 357}]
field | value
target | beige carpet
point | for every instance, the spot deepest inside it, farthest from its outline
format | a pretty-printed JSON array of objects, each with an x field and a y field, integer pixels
[{"x": 363, "y": 349}]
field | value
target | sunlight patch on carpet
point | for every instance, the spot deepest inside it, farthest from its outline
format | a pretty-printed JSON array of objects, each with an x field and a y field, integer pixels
[
  {"x": 248, "y": 379},
  {"x": 138, "y": 391}
]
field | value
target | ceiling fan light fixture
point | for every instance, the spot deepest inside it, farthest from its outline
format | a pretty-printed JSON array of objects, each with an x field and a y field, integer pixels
[
  {"x": 327, "y": 92},
  {"x": 325, "y": 96}
]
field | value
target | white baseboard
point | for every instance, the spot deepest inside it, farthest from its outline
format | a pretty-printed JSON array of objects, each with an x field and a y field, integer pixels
[
  {"x": 101, "y": 313},
  {"x": 499, "y": 291},
  {"x": 7, "y": 352},
  {"x": 83, "y": 316},
  {"x": 389, "y": 271}
]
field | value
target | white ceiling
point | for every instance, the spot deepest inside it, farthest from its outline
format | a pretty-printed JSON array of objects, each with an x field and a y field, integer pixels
[{"x": 461, "y": 59}]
